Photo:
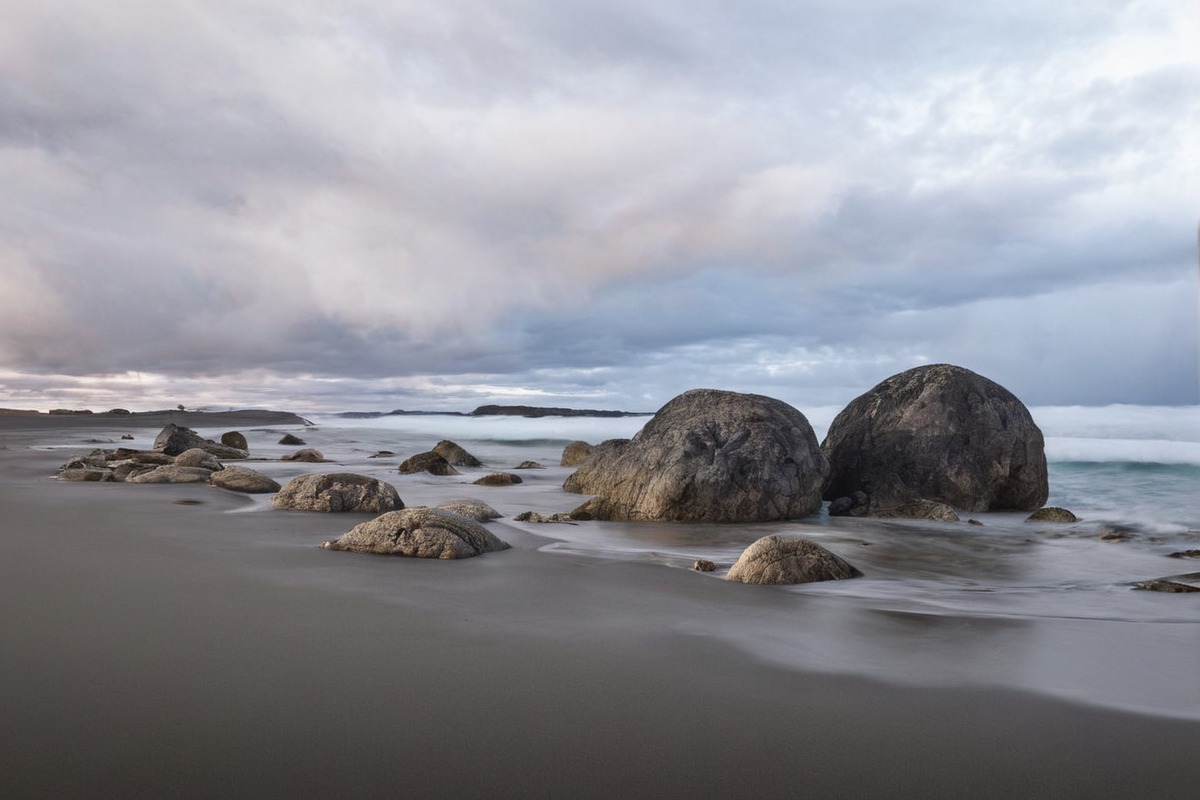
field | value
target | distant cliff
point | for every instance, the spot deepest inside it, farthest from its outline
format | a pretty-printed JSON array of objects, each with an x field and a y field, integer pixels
[{"x": 540, "y": 411}]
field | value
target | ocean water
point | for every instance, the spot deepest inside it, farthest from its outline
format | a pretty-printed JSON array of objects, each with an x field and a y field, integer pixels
[{"x": 1045, "y": 607}]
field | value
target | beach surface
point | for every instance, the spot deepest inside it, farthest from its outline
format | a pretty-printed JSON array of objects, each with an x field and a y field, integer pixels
[{"x": 178, "y": 641}]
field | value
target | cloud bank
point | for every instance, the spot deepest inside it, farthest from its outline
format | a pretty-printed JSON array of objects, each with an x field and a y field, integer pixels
[{"x": 400, "y": 204}]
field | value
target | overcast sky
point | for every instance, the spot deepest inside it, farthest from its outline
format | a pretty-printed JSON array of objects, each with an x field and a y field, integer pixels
[{"x": 380, "y": 204}]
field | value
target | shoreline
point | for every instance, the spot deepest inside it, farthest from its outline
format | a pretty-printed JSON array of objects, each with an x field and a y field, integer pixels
[{"x": 155, "y": 648}]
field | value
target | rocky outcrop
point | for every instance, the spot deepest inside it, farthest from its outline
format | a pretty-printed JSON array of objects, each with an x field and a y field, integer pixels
[
  {"x": 174, "y": 439},
  {"x": 789, "y": 559},
  {"x": 337, "y": 491},
  {"x": 574, "y": 454},
  {"x": 707, "y": 455},
  {"x": 421, "y": 533},
  {"x": 428, "y": 461},
  {"x": 939, "y": 433},
  {"x": 244, "y": 479},
  {"x": 455, "y": 455},
  {"x": 471, "y": 509}
]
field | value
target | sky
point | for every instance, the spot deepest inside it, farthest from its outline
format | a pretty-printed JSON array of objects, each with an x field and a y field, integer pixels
[{"x": 594, "y": 203}]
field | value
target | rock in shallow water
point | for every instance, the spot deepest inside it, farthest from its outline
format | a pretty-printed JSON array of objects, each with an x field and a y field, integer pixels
[
  {"x": 244, "y": 479},
  {"x": 707, "y": 456},
  {"x": 941, "y": 433},
  {"x": 789, "y": 559},
  {"x": 420, "y": 533}
]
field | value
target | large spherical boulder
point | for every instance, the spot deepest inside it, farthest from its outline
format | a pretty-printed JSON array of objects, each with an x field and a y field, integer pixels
[
  {"x": 574, "y": 454},
  {"x": 419, "y": 532},
  {"x": 789, "y": 559},
  {"x": 235, "y": 439},
  {"x": 337, "y": 491},
  {"x": 711, "y": 456},
  {"x": 940, "y": 433}
]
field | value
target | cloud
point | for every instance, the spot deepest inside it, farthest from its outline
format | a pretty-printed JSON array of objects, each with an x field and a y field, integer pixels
[{"x": 572, "y": 196}]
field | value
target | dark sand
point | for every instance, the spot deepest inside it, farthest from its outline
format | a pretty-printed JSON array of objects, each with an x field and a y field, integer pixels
[{"x": 152, "y": 649}]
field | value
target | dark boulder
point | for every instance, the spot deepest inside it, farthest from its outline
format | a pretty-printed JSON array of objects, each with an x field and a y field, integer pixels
[
  {"x": 498, "y": 479},
  {"x": 939, "y": 433},
  {"x": 429, "y": 462},
  {"x": 707, "y": 455},
  {"x": 291, "y": 440},
  {"x": 235, "y": 439},
  {"x": 455, "y": 455},
  {"x": 175, "y": 439}
]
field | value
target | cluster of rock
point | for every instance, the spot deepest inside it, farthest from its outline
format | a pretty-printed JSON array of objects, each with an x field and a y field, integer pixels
[{"x": 180, "y": 455}]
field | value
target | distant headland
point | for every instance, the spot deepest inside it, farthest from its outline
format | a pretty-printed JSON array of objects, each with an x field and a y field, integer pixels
[{"x": 501, "y": 411}]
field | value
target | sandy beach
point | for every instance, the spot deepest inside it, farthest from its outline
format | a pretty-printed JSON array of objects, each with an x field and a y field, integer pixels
[{"x": 153, "y": 648}]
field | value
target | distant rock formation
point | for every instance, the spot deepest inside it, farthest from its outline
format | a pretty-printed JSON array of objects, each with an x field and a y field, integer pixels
[
  {"x": 420, "y": 533},
  {"x": 940, "y": 433},
  {"x": 540, "y": 411},
  {"x": 707, "y": 456}
]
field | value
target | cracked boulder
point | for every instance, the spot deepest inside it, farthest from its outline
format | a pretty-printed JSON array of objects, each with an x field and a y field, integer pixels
[
  {"x": 337, "y": 491},
  {"x": 419, "y": 533},
  {"x": 789, "y": 559}
]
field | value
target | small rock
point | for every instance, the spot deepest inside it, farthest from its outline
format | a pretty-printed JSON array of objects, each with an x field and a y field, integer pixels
[
  {"x": 533, "y": 516},
  {"x": 429, "y": 462},
  {"x": 307, "y": 455},
  {"x": 974, "y": 522},
  {"x": 235, "y": 439},
  {"x": 455, "y": 455},
  {"x": 702, "y": 565},
  {"x": 289, "y": 439},
  {"x": 126, "y": 436},
  {"x": 920, "y": 509},
  {"x": 1164, "y": 585},
  {"x": 499, "y": 479},
  {"x": 1186, "y": 554},
  {"x": 529, "y": 465},
  {"x": 1052, "y": 514}
]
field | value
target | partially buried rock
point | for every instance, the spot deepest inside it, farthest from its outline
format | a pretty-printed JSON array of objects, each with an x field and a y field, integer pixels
[
  {"x": 337, "y": 491},
  {"x": 707, "y": 456},
  {"x": 471, "y": 509},
  {"x": 1052, "y": 514},
  {"x": 919, "y": 509},
  {"x": 244, "y": 479},
  {"x": 455, "y": 455},
  {"x": 529, "y": 465},
  {"x": 419, "y": 532},
  {"x": 290, "y": 439},
  {"x": 429, "y": 462},
  {"x": 1173, "y": 584},
  {"x": 940, "y": 433},
  {"x": 307, "y": 455},
  {"x": 90, "y": 474},
  {"x": 788, "y": 559},
  {"x": 534, "y": 516},
  {"x": 704, "y": 565},
  {"x": 499, "y": 479},
  {"x": 172, "y": 473}
]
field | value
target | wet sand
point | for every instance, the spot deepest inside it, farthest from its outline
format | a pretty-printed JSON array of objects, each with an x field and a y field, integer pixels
[{"x": 154, "y": 649}]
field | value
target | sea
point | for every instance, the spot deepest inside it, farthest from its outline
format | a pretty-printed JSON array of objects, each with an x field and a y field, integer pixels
[{"x": 1044, "y": 607}]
